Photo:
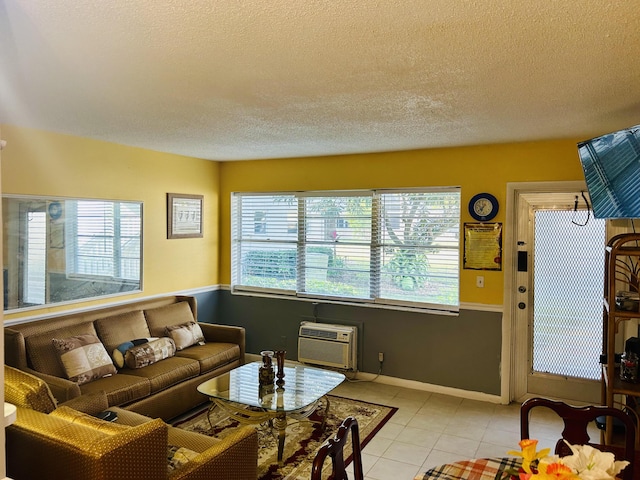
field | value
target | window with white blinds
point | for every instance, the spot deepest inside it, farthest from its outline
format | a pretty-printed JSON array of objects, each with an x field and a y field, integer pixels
[
  {"x": 104, "y": 239},
  {"x": 393, "y": 247}
]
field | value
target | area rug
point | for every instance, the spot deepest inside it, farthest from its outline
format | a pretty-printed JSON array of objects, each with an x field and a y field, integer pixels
[{"x": 303, "y": 439}]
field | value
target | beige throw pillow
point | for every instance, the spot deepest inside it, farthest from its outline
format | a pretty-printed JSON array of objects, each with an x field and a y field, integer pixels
[
  {"x": 186, "y": 335},
  {"x": 84, "y": 358}
]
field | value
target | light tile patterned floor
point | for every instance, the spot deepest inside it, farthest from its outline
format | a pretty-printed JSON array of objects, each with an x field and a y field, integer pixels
[{"x": 431, "y": 429}]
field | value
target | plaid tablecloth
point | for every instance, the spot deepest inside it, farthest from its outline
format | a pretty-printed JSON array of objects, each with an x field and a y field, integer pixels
[{"x": 477, "y": 469}]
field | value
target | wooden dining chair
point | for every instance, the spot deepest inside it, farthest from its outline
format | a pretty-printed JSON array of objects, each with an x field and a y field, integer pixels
[
  {"x": 334, "y": 448},
  {"x": 576, "y": 421}
]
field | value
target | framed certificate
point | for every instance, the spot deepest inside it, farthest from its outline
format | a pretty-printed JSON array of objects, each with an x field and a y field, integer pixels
[{"x": 483, "y": 246}]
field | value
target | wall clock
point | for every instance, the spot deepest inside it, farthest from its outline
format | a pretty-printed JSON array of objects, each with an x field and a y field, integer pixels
[
  {"x": 55, "y": 210},
  {"x": 483, "y": 207}
]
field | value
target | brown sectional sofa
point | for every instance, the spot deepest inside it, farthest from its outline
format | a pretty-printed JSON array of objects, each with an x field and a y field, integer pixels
[
  {"x": 165, "y": 388},
  {"x": 73, "y": 445}
]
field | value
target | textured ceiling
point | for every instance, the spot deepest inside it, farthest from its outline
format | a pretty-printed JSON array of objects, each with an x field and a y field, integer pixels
[{"x": 241, "y": 79}]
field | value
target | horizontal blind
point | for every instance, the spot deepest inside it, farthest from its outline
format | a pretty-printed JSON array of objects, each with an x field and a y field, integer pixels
[
  {"x": 105, "y": 239},
  {"x": 419, "y": 246},
  {"x": 336, "y": 245},
  {"x": 397, "y": 247},
  {"x": 264, "y": 241}
]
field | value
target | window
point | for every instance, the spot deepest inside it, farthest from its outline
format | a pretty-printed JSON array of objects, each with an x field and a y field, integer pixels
[
  {"x": 392, "y": 247},
  {"x": 104, "y": 239}
]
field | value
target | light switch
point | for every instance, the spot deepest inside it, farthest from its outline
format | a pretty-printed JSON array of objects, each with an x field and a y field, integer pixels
[{"x": 480, "y": 281}]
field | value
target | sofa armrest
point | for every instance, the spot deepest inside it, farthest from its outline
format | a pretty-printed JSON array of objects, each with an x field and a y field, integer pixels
[
  {"x": 15, "y": 351},
  {"x": 61, "y": 388},
  {"x": 225, "y": 333},
  {"x": 221, "y": 461}
]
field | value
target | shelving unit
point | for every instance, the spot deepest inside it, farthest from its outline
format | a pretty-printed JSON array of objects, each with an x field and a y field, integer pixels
[{"x": 622, "y": 262}]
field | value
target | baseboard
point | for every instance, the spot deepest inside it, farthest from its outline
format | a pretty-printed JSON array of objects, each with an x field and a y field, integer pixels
[{"x": 401, "y": 382}]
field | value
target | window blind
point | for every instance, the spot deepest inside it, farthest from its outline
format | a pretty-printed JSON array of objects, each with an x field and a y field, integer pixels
[{"x": 396, "y": 247}]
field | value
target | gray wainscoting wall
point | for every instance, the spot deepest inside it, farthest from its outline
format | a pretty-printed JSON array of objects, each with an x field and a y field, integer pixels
[{"x": 460, "y": 352}]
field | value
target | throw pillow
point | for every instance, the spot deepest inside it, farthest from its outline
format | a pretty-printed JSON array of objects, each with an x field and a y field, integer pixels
[
  {"x": 186, "y": 335},
  {"x": 84, "y": 358},
  {"x": 150, "y": 352},
  {"x": 120, "y": 350},
  {"x": 178, "y": 456}
]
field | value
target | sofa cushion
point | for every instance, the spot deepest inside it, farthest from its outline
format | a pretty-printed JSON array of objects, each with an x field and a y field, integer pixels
[
  {"x": 120, "y": 351},
  {"x": 160, "y": 318},
  {"x": 212, "y": 355},
  {"x": 43, "y": 356},
  {"x": 150, "y": 352},
  {"x": 80, "y": 418},
  {"x": 120, "y": 389},
  {"x": 166, "y": 373},
  {"x": 84, "y": 358},
  {"x": 27, "y": 391},
  {"x": 185, "y": 335},
  {"x": 118, "y": 329}
]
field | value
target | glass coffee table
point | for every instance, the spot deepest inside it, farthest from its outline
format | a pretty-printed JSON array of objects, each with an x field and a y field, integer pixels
[{"x": 238, "y": 394}]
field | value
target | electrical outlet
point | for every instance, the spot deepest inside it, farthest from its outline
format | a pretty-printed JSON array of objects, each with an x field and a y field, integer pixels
[{"x": 380, "y": 357}]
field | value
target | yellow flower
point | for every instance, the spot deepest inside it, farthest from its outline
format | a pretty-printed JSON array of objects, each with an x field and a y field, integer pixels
[
  {"x": 554, "y": 471},
  {"x": 529, "y": 453}
]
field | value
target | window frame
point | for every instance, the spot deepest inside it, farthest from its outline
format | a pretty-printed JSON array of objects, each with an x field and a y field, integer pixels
[
  {"x": 73, "y": 235},
  {"x": 375, "y": 246}
]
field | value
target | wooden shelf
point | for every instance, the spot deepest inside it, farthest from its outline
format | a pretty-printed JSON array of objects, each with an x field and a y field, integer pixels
[{"x": 620, "y": 252}]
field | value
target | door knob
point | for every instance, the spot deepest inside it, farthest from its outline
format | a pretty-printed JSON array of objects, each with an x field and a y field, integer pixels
[{"x": 522, "y": 305}]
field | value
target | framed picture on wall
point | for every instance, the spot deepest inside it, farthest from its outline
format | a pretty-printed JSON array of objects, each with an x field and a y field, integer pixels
[
  {"x": 483, "y": 246},
  {"x": 184, "y": 215}
]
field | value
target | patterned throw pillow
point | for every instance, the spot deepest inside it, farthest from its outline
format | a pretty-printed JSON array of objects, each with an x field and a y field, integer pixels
[
  {"x": 186, "y": 334},
  {"x": 84, "y": 358},
  {"x": 120, "y": 351},
  {"x": 150, "y": 352},
  {"x": 178, "y": 456}
]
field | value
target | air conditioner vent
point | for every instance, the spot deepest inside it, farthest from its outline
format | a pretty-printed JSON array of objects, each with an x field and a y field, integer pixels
[
  {"x": 315, "y": 333},
  {"x": 327, "y": 344}
]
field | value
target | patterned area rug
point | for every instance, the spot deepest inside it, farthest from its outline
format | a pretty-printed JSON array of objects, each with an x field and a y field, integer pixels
[{"x": 303, "y": 438}]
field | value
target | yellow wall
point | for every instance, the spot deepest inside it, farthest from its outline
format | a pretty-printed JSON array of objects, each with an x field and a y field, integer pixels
[
  {"x": 474, "y": 169},
  {"x": 42, "y": 163}
]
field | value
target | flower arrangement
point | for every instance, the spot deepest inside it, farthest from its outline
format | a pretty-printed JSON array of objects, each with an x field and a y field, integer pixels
[{"x": 584, "y": 463}]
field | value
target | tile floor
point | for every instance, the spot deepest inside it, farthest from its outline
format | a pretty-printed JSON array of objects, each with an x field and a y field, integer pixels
[{"x": 430, "y": 429}]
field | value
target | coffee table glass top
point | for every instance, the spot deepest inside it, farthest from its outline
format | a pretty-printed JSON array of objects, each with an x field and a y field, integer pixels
[{"x": 303, "y": 386}]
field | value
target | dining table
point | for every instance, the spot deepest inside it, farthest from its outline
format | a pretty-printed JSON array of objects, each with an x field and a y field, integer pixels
[{"x": 473, "y": 469}]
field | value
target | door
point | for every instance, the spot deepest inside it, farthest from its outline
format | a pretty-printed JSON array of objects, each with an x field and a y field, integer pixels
[{"x": 558, "y": 297}]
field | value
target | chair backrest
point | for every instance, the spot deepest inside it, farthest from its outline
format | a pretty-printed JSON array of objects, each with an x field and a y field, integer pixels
[
  {"x": 576, "y": 421},
  {"x": 334, "y": 448}
]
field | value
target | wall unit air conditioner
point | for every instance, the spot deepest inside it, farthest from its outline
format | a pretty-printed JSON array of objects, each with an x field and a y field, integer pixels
[{"x": 327, "y": 344}]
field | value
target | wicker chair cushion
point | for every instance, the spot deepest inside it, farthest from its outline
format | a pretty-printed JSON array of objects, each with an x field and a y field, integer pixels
[{"x": 84, "y": 358}]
